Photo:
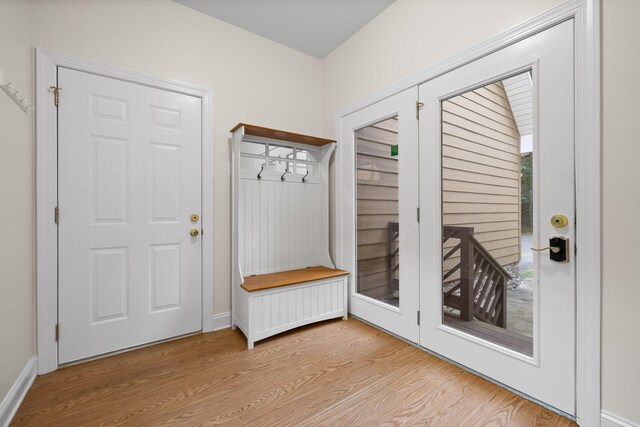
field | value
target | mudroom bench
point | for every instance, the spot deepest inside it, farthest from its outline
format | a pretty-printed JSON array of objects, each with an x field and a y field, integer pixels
[{"x": 283, "y": 276}]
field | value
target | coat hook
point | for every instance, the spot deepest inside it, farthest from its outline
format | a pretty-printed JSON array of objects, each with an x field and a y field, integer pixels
[
  {"x": 260, "y": 173},
  {"x": 285, "y": 172},
  {"x": 304, "y": 178}
]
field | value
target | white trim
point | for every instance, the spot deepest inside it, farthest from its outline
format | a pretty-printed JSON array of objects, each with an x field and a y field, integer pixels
[
  {"x": 208, "y": 211},
  {"x": 610, "y": 420},
  {"x": 47, "y": 62},
  {"x": 14, "y": 397},
  {"x": 588, "y": 209},
  {"x": 586, "y": 15},
  {"x": 221, "y": 321}
]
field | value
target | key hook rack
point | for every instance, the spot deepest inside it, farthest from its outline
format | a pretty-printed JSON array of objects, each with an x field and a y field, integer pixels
[
  {"x": 14, "y": 93},
  {"x": 285, "y": 172}
]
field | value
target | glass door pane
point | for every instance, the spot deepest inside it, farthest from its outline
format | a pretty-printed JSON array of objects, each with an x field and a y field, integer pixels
[
  {"x": 487, "y": 212},
  {"x": 377, "y": 224}
]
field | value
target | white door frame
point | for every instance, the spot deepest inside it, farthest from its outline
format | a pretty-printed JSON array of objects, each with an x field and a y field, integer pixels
[
  {"x": 47, "y": 63},
  {"x": 586, "y": 16}
]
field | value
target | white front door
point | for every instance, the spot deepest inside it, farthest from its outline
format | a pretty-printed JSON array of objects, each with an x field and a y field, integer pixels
[
  {"x": 129, "y": 181},
  {"x": 497, "y": 179},
  {"x": 381, "y": 154}
]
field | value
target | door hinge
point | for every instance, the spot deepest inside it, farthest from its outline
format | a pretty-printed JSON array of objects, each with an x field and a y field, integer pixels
[
  {"x": 419, "y": 106},
  {"x": 56, "y": 215},
  {"x": 418, "y": 317},
  {"x": 56, "y": 94},
  {"x": 57, "y": 332},
  {"x": 418, "y": 214}
]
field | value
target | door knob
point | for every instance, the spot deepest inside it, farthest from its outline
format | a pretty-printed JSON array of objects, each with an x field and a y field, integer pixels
[
  {"x": 195, "y": 217},
  {"x": 194, "y": 232}
]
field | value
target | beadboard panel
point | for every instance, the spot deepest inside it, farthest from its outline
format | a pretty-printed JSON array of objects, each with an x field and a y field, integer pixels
[
  {"x": 279, "y": 225},
  {"x": 281, "y": 309}
]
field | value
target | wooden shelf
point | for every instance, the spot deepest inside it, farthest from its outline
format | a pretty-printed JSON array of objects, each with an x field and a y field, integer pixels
[
  {"x": 282, "y": 135},
  {"x": 290, "y": 277}
]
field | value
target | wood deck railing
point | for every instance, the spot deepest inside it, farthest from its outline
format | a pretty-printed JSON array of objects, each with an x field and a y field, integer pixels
[{"x": 482, "y": 281}]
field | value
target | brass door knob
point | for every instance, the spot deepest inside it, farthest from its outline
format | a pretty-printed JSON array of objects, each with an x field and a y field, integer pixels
[
  {"x": 195, "y": 217},
  {"x": 194, "y": 232}
]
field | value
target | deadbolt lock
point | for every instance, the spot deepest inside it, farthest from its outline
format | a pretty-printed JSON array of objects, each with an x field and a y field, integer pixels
[
  {"x": 195, "y": 217},
  {"x": 194, "y": 232},
  {"x": 559, "y": 221}
]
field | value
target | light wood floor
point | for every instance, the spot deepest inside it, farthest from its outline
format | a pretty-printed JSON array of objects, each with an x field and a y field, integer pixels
[{"x": 329, "y": 374}]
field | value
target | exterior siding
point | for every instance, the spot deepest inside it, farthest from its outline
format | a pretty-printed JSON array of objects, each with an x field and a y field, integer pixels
[
  {"x": 377, "y": 205},
  {"x": 481, "y": 171},
  {"x": 480, "y": 182}
]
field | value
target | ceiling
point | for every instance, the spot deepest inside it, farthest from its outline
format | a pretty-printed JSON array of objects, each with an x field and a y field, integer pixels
[{"x": 315, "y": 27}]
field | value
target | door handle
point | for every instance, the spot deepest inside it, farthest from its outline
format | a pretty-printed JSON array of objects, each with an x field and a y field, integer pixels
[
  {"x": 558, "y": 249},
  {"x": 194, "y": 232},
  {"x": 554, "y": 249}
]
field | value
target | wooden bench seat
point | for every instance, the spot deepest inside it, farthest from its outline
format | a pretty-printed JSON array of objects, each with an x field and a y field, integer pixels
[{"x": 291, "y": 277}]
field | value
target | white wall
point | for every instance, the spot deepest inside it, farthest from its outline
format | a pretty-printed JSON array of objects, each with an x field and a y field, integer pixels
[
  {"x": 409, "y": 36},
  {"x": 254, "y": 80},
  {"x": 17, "y": 215},
  {"x": 621, "y": 205},
  {"x": 412, "y": 35}
]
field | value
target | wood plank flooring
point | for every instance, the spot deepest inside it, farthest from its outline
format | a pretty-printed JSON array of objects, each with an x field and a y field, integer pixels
[{"x": 333, "y": 373}]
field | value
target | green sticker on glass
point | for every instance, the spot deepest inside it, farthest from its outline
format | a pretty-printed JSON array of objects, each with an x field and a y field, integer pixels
[{"x": 394, "y": 150}]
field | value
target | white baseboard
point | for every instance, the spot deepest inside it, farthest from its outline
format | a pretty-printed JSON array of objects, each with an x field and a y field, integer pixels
[
  {"x": 18, "y": 391},
  {"x": 221, "y": 321},
  {"x": 610, "y": 420}
]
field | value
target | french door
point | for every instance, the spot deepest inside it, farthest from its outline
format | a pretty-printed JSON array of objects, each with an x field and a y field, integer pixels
[
  {"x": 484, "y": 272},
  {"x": 381, "y": 217},
  {"x": 129, "y": 189},
  {"x": 497, "y": 262}
]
